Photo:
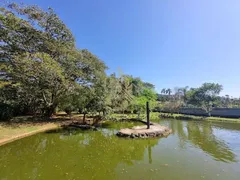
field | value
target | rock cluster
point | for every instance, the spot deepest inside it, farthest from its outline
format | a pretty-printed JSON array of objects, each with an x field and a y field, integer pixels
[{"x": 142, "y": 131}]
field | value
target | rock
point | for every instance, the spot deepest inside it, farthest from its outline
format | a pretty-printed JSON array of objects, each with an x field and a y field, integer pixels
[{"x": 142, "y": 131}]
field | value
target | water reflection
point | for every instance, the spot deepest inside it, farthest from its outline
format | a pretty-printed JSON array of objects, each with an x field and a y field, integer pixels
[
  {"x": 79, "y": 152},
  {"x": 201, "y": 135},
  {"x": 150, "y": 154},
  {"x": 76, "y": 154}
]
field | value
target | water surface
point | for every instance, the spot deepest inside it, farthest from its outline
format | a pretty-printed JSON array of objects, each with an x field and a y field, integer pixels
[{"x": 195, "y": 150}]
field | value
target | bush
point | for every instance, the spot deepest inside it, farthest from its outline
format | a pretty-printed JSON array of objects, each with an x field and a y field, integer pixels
[
  {"x": 69, "y": 109},
  {"x": 6, "y": 112}
]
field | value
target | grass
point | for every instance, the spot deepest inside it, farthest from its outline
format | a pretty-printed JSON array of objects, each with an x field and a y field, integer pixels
[
  {"x": 9, "y": 133},
  {"x": 203, "y": 118},
  {"x": 116, "y": 117}
]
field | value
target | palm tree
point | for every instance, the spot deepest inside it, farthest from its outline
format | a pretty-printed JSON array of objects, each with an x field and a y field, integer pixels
[
  {"x": 185, "y": 89},
  {"x": 163, "y": 91},
  {"x": 168, "y": 91}
]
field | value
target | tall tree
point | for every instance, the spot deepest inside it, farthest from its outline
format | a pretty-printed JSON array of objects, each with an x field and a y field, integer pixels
[
  {"x": 205, "y": 96},
  {"x": 163, "y": 91},
  {"x": 168, "y": 91},
  {"x": 125, "y": 94},
  {"x": 38, "y": 44}
]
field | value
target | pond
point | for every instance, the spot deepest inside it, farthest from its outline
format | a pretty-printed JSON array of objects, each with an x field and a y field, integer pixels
[{"x": 195, "y": 150}]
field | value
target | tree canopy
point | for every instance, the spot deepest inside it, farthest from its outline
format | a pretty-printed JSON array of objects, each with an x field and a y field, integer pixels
[
  {"x": 205, "y": 96},
  {"x": 40, "y": 60}
]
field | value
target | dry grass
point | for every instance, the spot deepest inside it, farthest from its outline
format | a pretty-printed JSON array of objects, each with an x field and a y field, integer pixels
[
  {"x": 23, "y": 126},
  {"x": 9, "y": 133}
]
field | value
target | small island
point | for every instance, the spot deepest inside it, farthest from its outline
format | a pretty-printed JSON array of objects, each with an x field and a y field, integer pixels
[
  {"x": 148, "y": 131},
  {"x": 155, "y": 130}
]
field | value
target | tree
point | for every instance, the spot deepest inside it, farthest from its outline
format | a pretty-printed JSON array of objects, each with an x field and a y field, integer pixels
[
  {"x": 40, "y": 75},
  {"x": 39, "y": 57},
  {"x": 168, "y": 91},
  {"x": 125, "y": 93},
  {"x": 173, "y": 106},
  {"x": 148, "y": 85},
  {"x": 119, "y": 92},
  {"x": 163, "y": 91},
  {"x": 137, "y": 86},
  {"x": 180, "y": 94},
  {"x": 33, "y": 47},
  {"x": 175, "y": 102},
  {"x": 205, "y": 96},
  {"x": 147, "y": 95},
  {"x": 150, "y": 94}
]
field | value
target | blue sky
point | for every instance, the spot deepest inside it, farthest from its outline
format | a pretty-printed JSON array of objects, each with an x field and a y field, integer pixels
[{"x": 170, "y": 43}]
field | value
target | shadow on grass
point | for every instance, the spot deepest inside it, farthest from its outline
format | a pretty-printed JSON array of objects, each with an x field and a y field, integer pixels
[{"x": 37, "y": 120}]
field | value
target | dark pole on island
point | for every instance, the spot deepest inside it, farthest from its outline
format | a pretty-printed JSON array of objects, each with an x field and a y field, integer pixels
[{"x": 148, "y": 112}]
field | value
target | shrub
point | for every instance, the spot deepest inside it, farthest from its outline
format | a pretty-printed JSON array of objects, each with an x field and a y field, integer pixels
[{"x": 6, "y": 112}]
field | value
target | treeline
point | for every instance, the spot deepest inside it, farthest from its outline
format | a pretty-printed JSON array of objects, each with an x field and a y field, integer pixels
[
  {"x": 205, "y": 97},
  {"x": 42, "y": 70}
]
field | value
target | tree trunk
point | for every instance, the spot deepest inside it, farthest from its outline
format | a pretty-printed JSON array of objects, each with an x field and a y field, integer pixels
[
  {"x": 50, "y": 110},
  {"x": 55, "y": 111},
  {"x": 104, "y": 113},
  {"x": 84, "y": 117},
  {"x": 209, "y": 114},
  {"x": 138, "y": 114}
]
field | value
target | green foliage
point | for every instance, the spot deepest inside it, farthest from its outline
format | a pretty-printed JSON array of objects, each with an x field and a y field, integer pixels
[
  {"x": 150, "y": 94},
  {"x": 40, "y": 60},
  {"x": 119, "y": 93},
  {"x": 126, "y": 93},
  {"x": 140, "y": 104},
  {"x": 205, "y": 96},
  {"x": 145, "y": 95},
  {"x": 6, "y": 111}
]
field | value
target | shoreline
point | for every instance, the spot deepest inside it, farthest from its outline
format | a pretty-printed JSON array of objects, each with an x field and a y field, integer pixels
[
  {"x": 49, "y": 126},
  {"x": 5, "y": 141},
  {"x": 199, "y": 118}
]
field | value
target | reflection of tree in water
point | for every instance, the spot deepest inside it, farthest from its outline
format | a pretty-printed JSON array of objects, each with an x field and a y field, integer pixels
[
  {"x": 149, "y": 153},
  {"x": 84, "y": 155},
  {"x": 201, "y": 134}
]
